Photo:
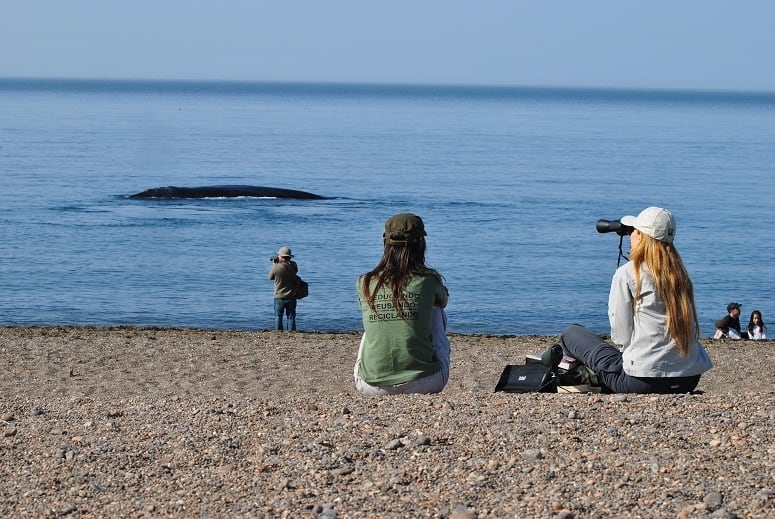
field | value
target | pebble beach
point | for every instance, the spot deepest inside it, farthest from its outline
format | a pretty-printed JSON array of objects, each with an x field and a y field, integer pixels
[{"x": 150, "y": 422}]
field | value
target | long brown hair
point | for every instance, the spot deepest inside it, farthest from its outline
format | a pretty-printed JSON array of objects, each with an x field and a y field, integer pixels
[
  {"x": 751, "y": 324},
  {"x": 398, "y": 264},
  {"x": 673, "y": 286}
]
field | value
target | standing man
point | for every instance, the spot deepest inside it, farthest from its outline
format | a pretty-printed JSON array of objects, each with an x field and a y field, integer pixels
[
  {"x": 283, "y": 272},
  {"x": 728, "y": 327}
]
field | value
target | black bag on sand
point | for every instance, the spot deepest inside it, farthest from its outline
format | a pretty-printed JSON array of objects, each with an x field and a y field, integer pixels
[{"x": 527, "y": 378}]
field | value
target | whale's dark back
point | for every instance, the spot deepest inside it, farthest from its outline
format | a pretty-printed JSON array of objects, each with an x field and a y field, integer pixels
[{"x": 226, "y": 192}]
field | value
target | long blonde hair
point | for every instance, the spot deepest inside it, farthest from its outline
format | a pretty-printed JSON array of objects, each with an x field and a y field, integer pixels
[{"x": 673, "y": 286}]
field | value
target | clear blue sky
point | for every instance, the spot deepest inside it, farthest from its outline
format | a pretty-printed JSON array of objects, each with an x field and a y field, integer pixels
[{"x": 696, "y": 44}]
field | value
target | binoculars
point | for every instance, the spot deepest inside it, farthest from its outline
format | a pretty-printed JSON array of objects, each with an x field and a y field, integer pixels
[{"x": 604, "y": 226}]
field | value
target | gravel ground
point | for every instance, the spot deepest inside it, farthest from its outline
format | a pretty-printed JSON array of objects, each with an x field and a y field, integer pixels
[{"x": 136, "y": 422}]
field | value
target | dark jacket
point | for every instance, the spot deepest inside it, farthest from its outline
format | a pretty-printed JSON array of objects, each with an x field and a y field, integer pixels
[{"x": 727, "y": 322}]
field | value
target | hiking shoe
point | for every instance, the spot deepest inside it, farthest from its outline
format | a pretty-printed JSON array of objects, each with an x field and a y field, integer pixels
[{"x": 579, "y": 375}]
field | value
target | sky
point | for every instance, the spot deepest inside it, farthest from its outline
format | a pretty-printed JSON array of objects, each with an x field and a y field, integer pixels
[{"x": 672, "y": 44}]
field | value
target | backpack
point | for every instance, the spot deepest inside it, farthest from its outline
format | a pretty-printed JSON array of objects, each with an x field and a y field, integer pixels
[{"x": 302, "y": 288}]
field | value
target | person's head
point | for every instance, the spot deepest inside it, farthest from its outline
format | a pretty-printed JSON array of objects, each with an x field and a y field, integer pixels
[
  {"x": 652, "y": 245},
  {"x": 733, "y": 309},
  {"x": 756, "y": 320},
  {"x": 404, "y": 241},
  {"x": 651, "y": 240},
  {"x": 284, "y": 254},
  {"x": 403, "y": 255},
  {"x": 654, "y": 222}
]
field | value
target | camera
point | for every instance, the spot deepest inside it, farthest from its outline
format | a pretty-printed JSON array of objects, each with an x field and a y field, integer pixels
[
  {"x": 274, "y": 259},
  {"x": 604, "y": 226}
]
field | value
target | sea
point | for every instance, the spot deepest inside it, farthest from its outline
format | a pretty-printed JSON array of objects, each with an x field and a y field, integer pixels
[{"x": 510, "y": 182}]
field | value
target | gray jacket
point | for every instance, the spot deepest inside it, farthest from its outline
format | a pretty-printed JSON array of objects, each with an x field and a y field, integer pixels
[{"x": 638, "y": 328}]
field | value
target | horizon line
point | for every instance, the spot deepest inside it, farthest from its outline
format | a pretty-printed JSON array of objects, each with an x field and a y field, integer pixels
[{"x": 493, "y": 86}]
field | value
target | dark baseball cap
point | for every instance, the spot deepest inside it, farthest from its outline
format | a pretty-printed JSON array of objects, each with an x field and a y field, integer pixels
[
  {"x": 403, "y": 228},
  {"x": 733, "y": 306}
]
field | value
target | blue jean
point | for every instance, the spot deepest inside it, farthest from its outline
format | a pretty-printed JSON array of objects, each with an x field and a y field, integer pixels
[{"x": 287, "y": 306}]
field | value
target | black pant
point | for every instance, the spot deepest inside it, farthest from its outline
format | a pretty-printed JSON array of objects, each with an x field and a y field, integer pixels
[{"x": 594, "y": 352}]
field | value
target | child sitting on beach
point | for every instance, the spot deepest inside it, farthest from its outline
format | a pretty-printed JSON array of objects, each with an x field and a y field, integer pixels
[{"x": 757, "y": 330}]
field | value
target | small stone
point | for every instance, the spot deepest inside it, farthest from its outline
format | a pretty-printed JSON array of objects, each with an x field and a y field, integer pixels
[
  {"x": 394, "y": 444},
  {"x": 342, "y": 471},
  {"x": 764, "y": 494},
  {"x": 713, "y": 500},
  {"x": 533, "y": 454},
  {"x": 462, "y": 513},
  {"x": 422, "y": 440},
  {"x": 328, "y": 512}
]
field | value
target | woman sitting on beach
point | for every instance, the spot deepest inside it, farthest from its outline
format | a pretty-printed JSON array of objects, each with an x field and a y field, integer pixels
[
  {"x": 757, "y": 330},
  {"x": 404, "y": 348},
  {"x": 653, "y": 318}
]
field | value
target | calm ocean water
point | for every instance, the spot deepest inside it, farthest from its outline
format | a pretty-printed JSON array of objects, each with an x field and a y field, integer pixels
[{"x": 510, "y": 183}]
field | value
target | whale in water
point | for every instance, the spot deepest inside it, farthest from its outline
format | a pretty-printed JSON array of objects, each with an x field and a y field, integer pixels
[{"x": 225, "y": 192}]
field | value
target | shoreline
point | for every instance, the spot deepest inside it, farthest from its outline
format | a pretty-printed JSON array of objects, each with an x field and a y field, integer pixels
[
  {"x": 146, "y": 422},
  {"x": 705, "y": 339},
  {"x": 475, "y": 357}
]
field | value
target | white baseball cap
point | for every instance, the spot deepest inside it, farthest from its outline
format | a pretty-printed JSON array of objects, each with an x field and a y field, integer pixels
[{"x": 654, "y": 221}]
